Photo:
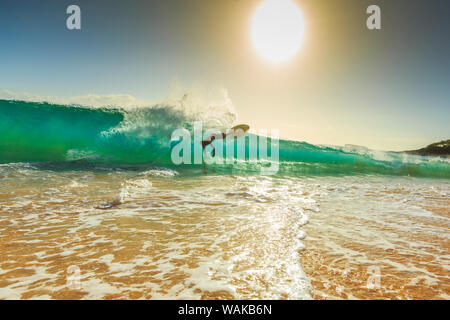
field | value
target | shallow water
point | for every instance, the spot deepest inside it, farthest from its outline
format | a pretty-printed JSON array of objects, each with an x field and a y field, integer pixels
[{"x": 159, "y": 233}]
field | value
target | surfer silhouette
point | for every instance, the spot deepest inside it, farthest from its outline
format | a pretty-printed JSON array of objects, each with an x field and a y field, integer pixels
[
  {"x": 208, "y": 141},
  {"x": 235, "y": 132}
]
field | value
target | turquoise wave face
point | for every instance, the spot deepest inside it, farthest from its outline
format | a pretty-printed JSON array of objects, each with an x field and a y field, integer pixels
[
  {"x": 42, "y": 132},
  {"x": 33, "y": 132}
]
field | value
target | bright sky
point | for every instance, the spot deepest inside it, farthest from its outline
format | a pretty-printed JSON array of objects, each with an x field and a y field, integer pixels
[{"x": 385, "y": 89}]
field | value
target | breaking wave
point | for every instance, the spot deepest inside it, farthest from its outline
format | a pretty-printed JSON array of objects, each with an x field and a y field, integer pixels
[{"x": 114, "y": 136}]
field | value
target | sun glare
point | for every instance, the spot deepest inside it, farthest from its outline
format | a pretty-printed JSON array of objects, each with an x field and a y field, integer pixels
[{"x": 277, "y": 29}]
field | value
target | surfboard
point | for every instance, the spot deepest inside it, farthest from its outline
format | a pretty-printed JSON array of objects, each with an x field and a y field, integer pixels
[{"x": 238, "y": 131}]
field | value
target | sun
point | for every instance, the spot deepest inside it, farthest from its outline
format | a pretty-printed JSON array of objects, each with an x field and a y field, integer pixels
[{"x": 277, "y": 30}]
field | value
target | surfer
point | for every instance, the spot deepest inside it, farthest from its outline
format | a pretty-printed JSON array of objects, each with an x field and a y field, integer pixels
[
  {"x": 235, "y": 132},
  {"x": 208, "y": 141}
]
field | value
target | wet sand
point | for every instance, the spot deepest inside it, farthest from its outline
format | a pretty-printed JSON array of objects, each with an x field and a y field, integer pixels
[
  {"x": 394, "y": 263},
  {"x": 221, "y": 237}
]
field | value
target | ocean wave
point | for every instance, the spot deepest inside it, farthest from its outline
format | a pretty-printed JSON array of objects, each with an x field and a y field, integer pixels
[{"x": 44, "y": 132}]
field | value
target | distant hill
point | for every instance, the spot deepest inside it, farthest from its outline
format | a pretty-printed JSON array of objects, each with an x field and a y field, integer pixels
[{"x": 441, "y": 149}]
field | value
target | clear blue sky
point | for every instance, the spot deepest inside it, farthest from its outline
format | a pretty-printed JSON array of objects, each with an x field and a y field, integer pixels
[{"x": 385, "y": 89}]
